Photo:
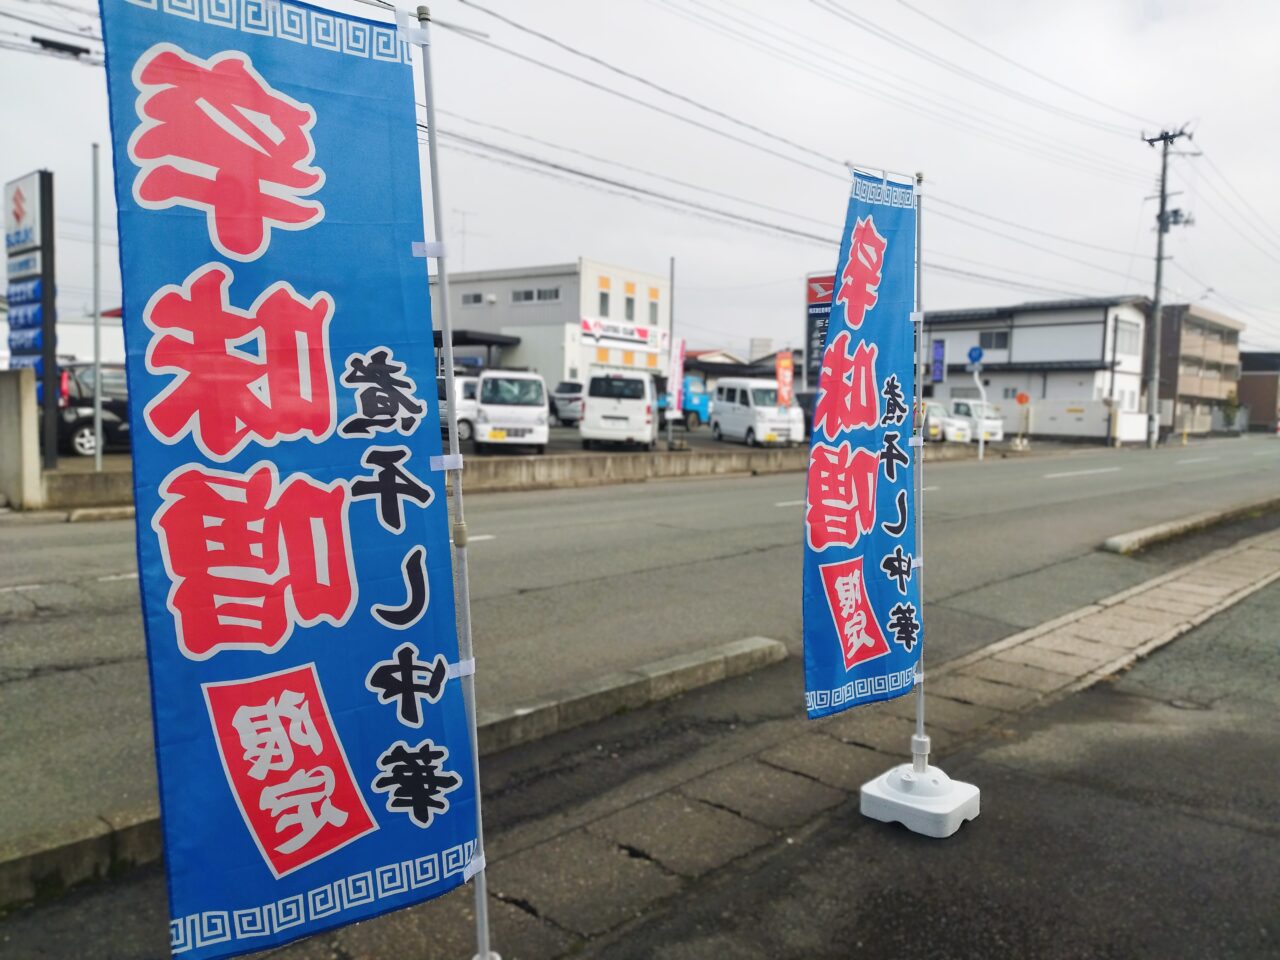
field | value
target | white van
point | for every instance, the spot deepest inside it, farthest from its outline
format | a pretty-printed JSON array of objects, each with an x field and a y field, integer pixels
[
  {"x": 511, "y": 410},
  {"x": 980, "y": 417},
  {"x": 619, "y": 408},
  {"x": 748, "y": 410},
  {"x": 468, "y": 406}
]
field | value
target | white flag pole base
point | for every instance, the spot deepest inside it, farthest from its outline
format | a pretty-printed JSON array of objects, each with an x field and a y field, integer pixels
[
  {"x": 492, "y": 956},
  {"x": 928, "y": 803}
]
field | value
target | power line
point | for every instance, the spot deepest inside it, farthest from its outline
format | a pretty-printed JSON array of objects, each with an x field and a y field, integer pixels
[
  {"x": 643, "y": 103},
  {"x": 1022, "y": 66},
  {"x": 1021, "y": 226},
  {"x": 521, "y": 160},
  {"x": 1243, "y": 199},
  {"x": 634, "y": 169},
  {"x": 869, "y": 26},
  {"x": 1016, "y": 138},
  {"x": 614, "y": 68},
  {"x": 31, "y": 21}
]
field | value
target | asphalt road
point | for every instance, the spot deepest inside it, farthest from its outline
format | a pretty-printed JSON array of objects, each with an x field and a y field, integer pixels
[
  {"x": 572, "y": 584},
  {"x": 1130, "y": 821}
]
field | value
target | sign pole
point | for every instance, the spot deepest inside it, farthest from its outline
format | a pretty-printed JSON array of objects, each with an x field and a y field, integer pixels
[
  {"x": 465, "y": 649},
  {"x": 982, "y": 396},
  {"x": 97, "y": 322},
  {"x": 920, "y": 742},
  {"x": 48, "y": 307},
  {"x": 672, "y": 390}
]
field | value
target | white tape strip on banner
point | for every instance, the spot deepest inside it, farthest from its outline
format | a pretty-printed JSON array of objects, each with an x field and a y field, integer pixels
[
  {"x": 427, "y": 248},
  {"x": 917, "y": 316},
  {"x": 916, "y": 442},
  {"x": 450, "y": 461},
  {"x": 410, "y": 30},
  {"x": 463, "y": 668},
  {"x": 475, "y": 866}
]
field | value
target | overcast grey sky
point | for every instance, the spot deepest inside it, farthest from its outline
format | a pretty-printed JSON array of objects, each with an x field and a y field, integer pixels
[{"x": 1072, "y": 166}]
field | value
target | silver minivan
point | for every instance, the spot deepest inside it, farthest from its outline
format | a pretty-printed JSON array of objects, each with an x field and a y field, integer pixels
[{"x": 747, "y": 410}]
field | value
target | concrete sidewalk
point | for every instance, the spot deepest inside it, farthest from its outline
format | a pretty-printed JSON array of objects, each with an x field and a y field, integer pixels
[{"x": 1128, "y": 821}]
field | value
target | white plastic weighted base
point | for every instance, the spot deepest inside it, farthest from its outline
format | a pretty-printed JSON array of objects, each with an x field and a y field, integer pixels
[
  {"x": 930, "y": 803},
  {"x": 492, "y": 956}
]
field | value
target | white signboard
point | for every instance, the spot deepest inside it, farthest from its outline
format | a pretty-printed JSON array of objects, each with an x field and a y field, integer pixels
[
  {"x": 22, "y": 213},
  {"x": 24, "y": 265}
]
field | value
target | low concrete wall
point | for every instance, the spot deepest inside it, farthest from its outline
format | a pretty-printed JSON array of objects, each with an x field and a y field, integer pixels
[
  {"x": 585, "y": 470},
  {"x": 70, "y": 490}
]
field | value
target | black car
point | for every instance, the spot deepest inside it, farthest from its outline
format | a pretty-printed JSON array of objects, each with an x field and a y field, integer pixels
[{"x": 75, "y": 408}]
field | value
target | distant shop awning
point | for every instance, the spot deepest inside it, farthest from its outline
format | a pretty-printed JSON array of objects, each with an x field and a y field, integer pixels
[{"x": 479, "y": 338}]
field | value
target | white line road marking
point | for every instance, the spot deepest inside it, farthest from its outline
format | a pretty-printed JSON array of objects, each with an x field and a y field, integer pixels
[
  {"x": 111, "y": 578},
  {"x": 1080, "y": 473},
  {"x": 928, "y": 489},
  {"x": 789, "y": 503},
  {"x": 481, "y": 536},
  {"x": 1198, "y": 460},
  {"x": 20, "y": 589}
]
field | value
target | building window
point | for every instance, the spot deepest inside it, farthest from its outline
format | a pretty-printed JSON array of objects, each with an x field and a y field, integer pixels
[
  {"x": 1128, "y": 337},
  {"x": 604, "y": 303},
  {"x": 1009, "y": 393},
  {"x": 994, "y": 339},
  {"x": 653, "y": 313},
  {"x": 472, "y": 299},
  {"x": 522, "y": 296},
  {"x": 629, "y": 307},
  {"x": 548, "y": 294}
]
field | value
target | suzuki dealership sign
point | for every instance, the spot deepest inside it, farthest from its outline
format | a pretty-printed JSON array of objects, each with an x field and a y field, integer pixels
[
  {"x": 22, "y": 214},
  {"x": 862, "y": 623},
  {"x": 293, "y": 549}
]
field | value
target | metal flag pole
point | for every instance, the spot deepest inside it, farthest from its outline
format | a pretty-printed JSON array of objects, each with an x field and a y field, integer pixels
[
  {"x": 454, "y": 470},
  {"x": 918, "y": 795},
  {"x": 97, "y": 322},
  {"x": 672, "y": 389},
  {"x": 920, "y": 742}
]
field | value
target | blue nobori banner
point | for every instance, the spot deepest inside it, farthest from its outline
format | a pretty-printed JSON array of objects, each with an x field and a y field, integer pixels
[
  {"x": 313, "y": 745},
  {"x": 862, "y": 617}
]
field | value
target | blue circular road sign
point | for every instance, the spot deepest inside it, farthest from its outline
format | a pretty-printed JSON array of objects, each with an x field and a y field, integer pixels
[{"x": 975, "y": 354}]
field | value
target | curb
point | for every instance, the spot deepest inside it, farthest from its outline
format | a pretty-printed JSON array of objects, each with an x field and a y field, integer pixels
[
  {"x": 82, "y": 514},
  {"x": 617, "y": 692},
  {"x": 119, "y": 841},
  {"x": 1135, "y": 540}
]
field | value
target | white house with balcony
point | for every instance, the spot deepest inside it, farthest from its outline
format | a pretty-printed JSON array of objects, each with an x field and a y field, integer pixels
[{"x": 1079, "y": 362}]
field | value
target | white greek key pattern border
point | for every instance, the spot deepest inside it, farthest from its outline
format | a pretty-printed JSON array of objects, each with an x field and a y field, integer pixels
[
  {"x": 861, "y": 689},
  {"x": 287, "y": 21},
  {"x": 359, "y": 889}
]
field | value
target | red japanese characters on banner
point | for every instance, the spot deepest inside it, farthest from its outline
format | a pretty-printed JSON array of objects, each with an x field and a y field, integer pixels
[
  {"x": 848, "y": 392},
  {"x": 841, "y": 501},
  {"x": 860, "y": 278},
  {"x": 215, "y": 136},
  {"x": 250, "y": 558},
  {"x": 861, "y": 638},
  {"x": 259, "y": 375},
  {"x": 286, "y": 766}
]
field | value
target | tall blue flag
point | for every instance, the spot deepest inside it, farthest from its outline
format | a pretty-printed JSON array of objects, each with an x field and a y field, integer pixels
[
  {"x": 862, "y": 612},
  {"x": 314, "y": 752}
]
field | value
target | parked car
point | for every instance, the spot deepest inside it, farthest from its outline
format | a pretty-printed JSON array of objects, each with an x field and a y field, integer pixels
[
  {"x": 566, "y": 402},
  {"x": 748, "y": 410},
  {"x": 619, "y": 408},
  {"x": 979, "y": 417},
  {"x": 466, "y": 388},
  {"x": 75, "y": 408},
  {"x": 940, "y": 425},
  {"x": 512, "y": 409}
]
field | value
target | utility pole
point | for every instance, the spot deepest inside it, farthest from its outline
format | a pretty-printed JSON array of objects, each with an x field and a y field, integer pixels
[{"x": 1164, "y": 138}]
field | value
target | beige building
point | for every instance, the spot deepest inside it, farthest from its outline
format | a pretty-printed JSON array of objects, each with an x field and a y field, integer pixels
[{"x": 1199, "y": 366}]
